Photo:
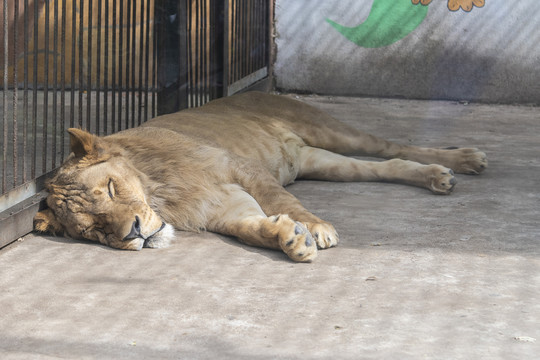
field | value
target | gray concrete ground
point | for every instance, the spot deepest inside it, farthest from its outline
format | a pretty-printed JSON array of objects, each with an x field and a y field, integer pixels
[{"x": 416, "y": 276}]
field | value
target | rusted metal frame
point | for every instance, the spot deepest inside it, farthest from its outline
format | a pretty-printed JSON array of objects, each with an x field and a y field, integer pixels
[{"x": 17, "y": 221}]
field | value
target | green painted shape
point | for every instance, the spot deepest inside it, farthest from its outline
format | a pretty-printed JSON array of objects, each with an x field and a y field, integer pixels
[{"x": 389, "y": 21}]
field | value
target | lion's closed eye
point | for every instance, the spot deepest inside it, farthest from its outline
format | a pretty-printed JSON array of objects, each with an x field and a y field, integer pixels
[{"x": 112, "y": 191}]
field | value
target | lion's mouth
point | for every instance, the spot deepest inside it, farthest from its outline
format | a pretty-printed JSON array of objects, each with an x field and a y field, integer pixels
[
  {"x": 158, "y": 230},
  {"x": 160, "y": 238}
]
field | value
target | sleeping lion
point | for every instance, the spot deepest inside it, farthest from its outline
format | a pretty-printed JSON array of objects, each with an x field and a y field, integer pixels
[{"x": 222, "y": 168}]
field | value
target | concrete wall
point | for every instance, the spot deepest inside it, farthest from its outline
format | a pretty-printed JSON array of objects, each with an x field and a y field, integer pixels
[{"x": 394, "y": 48}]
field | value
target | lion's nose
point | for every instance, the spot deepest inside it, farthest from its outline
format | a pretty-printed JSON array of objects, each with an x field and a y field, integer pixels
[{"x": 135, "y": 229}]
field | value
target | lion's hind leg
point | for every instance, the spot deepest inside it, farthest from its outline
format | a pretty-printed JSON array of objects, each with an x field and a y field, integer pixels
[
  {"x": 319, "y": 164},
  {"x": 241, "y": 216}
]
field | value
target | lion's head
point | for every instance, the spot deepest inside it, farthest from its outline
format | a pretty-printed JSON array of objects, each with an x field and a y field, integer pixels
[{"x": 98, "y": 195}]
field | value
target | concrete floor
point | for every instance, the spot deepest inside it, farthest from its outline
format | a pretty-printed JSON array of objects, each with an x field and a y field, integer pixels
[{"x": 416, "y": 276}]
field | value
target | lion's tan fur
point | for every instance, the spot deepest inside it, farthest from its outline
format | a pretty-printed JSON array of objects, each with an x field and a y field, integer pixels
[{"x": 222, "y": 167}]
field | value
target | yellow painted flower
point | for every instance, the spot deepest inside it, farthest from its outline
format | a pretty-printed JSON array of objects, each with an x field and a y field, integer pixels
[
  {"x": 466, "y": 5},
  {"x": 454, "y": 5}
]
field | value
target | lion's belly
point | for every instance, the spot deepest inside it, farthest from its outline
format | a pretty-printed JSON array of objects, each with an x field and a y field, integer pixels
[
  {"x": 278, "y": 157},
  {"x": 275, "y": 146}
]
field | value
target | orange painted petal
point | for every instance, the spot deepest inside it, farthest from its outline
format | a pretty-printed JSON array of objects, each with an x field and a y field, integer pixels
[
  {"x": 479, "y": 3},
  {"x": 453, "y": 5}
]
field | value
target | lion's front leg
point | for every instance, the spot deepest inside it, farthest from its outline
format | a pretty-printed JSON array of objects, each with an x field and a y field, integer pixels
[{"x": 241, "y": 216}]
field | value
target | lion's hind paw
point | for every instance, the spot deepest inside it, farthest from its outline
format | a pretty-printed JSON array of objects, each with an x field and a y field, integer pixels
[
  {"x": 325, "y": 235},
  {"x": 469, "y": 161}
]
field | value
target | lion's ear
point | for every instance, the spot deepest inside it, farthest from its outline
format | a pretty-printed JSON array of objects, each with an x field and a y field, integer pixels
[
  {"x": 45, "y": 222},
  {"x": 82, "y": 143}
]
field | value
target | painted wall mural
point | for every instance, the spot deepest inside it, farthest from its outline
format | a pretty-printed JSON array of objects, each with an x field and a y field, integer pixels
[{"x": 391, "y": 20}]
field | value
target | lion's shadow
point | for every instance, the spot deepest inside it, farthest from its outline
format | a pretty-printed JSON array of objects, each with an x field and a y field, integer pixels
[{"x": 184, "y": 237}]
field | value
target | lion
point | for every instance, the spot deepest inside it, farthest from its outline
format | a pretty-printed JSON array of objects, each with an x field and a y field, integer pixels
[{"x": 222, "y": 168}]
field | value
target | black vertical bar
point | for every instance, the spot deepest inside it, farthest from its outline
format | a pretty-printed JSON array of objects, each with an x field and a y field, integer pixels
[
  {"x": 98, "y": 71},
  {"x": 133, "y": 57},
  {"x": 73, "y": 61},
  {"x": 141, "y": 57},
  {"x": 197, "y": 56},
  {"x": 120, "y": 58},
  {"x": 4, "y": 98},
  {"x": 189, "y": 55},
  {"x": 245, "y": 43},
  {"x": 225, "y": 43},
  {"x": 63, "y": 81},
  {"x": 113, "y": 68},
  {"x": 258, "y": 33},
  {"x": 204, "y": 54},
  {"x": 25, "y": 96},
  {"x": 81, "y": 27},
  {"x": 267, "y": 32},
  {"x": 106, "y": 70},
  {"x": 250, "y": 41},
  {"x": 55, "y": 84},
  {"x": 128, "y": 59},
  {"x": 89, "y": 69},
  {"x": 146, "y": 59},
  {"x": 237, "y": 40},
  {"x": 34, "y": 93},
  {"x": 157, "y": 19},
  {"x": 45, "y": 92},
  {"x": 15, "y": 93}
]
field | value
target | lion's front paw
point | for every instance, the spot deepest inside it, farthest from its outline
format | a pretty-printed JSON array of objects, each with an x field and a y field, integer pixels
[
  {"x": 441, "y": 180},
  {"x": 325, "y": 235},
  {"x": 295, "y": 239}
]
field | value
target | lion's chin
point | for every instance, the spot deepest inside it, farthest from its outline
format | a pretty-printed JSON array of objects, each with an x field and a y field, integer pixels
[{"x": 160, "y": 239}]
